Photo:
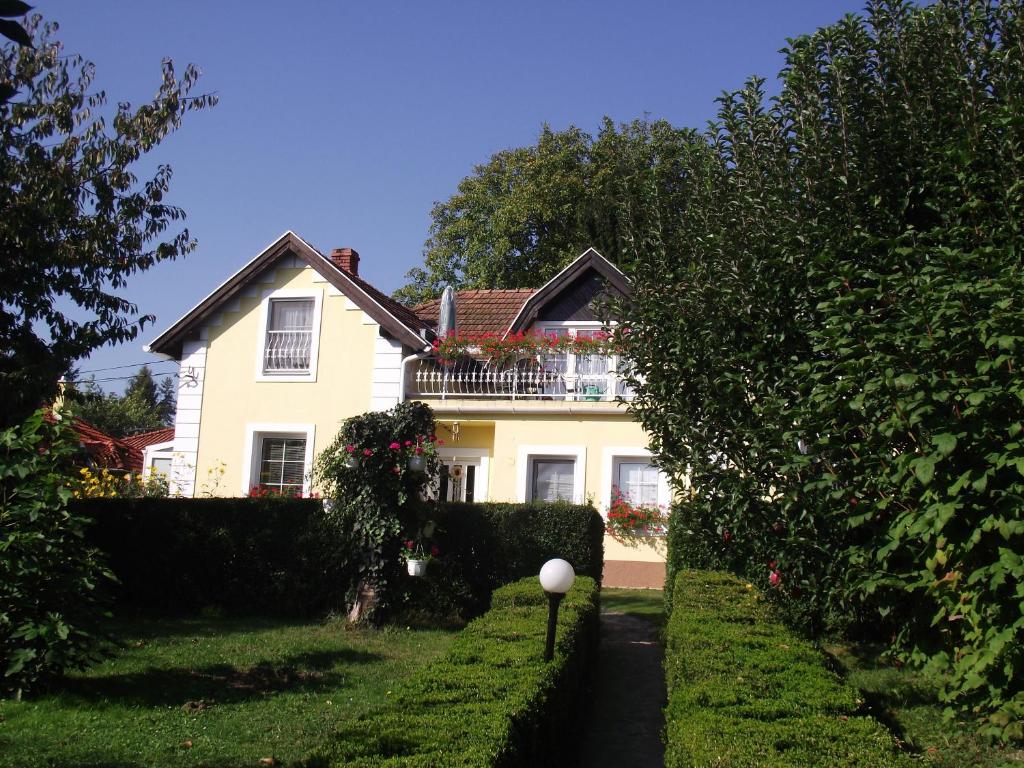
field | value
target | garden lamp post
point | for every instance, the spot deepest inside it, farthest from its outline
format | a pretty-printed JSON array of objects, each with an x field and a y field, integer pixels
[{"x": 556, "y": 577}]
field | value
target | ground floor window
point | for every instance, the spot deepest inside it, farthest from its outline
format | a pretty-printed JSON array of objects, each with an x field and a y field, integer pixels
[
  {"x": 552, "y": 479},
  {"x": 282, "y": 463},
  {"x": 637, "y": 481}
]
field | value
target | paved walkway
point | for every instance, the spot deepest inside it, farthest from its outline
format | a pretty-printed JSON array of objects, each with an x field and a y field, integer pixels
[{"x": 624, "y": 729}]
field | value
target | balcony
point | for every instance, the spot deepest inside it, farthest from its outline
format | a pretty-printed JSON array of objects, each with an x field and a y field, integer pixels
[{"x": 572, "y": 379}]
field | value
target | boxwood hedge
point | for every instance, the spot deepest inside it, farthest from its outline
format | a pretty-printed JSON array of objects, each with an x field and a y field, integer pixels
[
  {"x": 491, "y": 700},
  {"x": 745, "y": 692}
]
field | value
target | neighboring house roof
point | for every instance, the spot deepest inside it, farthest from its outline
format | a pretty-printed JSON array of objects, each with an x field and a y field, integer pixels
[
  {"x": 480, "y": 311},
  {"x": 396, "y": 319},
  {"x": 104, "y": 450},
  {"x": 507, "y": 311},
  {"x": 145, "y": 439}
]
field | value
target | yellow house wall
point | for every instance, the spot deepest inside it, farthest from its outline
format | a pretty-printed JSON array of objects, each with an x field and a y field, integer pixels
[
  {"x": 233, "y": 397},
  {"x": 503, "y": 436}
]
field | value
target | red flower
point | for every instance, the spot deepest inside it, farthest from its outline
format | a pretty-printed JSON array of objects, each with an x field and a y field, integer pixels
[
  {"x": 408, "y": 443},
  {"x": 775, "y": 578},
  {"x": 350, "y": 448},
  {"x": 418, "y": 450},
  {"x": 367, "y": 452},
  {"x": 435, "y": 551},
  {"x": 394, "y": 446}
]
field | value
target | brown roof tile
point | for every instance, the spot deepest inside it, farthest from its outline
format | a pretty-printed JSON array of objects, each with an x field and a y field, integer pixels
[
  {"x": 145, "y": 439},
  {"x": 479, "y": 311},
  {"x": 400, "y": 311}
]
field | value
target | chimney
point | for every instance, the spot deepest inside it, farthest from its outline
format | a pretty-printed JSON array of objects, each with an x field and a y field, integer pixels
[{"x": 346, "y": 259}]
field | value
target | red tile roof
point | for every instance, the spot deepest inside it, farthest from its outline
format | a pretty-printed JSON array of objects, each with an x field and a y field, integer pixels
[
  {"x": 106, "y": 451},
  {"x": 146, "y": 439},
  {"x": 479, "y": 311}
]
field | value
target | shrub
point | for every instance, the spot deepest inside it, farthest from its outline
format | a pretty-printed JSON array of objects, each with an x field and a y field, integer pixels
[
  {"x": 49, "y": 572},
  {"x": 486, "y": 545},
  {"x": 745, "y": 692},
  {"x": 366, "y": 475},
  {"x": 239, "y": 555},
  {"x": 491, "y": 700}
]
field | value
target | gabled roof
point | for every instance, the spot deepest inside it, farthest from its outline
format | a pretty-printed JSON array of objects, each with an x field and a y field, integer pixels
[
  {"x": 399, "y": 321},
  {"x": 505, "y": 311},
  {"x": 480, "y": 311},
  {"x": 589, "y": 260}
]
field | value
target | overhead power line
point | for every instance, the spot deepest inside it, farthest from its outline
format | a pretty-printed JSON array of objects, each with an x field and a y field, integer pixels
[{"x": 130, "y": 365}]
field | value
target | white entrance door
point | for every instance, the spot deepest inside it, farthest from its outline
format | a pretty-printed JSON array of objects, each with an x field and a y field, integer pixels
[{"x": 459, "y": 480}]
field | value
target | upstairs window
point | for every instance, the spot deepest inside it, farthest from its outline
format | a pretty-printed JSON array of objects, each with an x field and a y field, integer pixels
[{"x": 289, "y": 343}]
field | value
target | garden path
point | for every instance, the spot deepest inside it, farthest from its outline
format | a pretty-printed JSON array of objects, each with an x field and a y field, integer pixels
[{"x": 624, "y": 729}]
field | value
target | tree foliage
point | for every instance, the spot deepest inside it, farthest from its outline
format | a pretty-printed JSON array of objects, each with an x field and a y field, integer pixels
[
  {"x": 830, "y": 346},
  {"x": 143, "y": 407},
  {"x": 527, "y": 212},
  {"x": 49, "y": 574},
  {"x": 75, "y": 221}
]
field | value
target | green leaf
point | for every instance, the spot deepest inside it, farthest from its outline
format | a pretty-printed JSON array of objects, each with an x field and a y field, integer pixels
[
  {"x": 945, "y": 443},
  {"x": 924, "y": 469}
]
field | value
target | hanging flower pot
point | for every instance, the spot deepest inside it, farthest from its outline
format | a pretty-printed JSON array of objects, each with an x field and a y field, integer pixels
[
  {"x": 416, "y": 464},
  {"x": 416, "y": 567},
  {"x": 352, "y": 462}
]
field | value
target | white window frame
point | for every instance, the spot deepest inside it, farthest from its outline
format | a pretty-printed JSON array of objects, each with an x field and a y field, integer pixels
[
  {"x": 254, "y": 434},
  {"x": 482, "y": 455},
  {"x": 524, "y": 467},
  {"x": 317, "y": 295},
  {"x": 157, "y": 451},
  {"x": 609, "y": 459}
]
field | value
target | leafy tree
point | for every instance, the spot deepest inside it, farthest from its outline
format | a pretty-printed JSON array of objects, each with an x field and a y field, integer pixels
[
  {"x": 49, "y": 575},
  {"x": 75, "y": 221},
  {"x": 830, "y": 345},
  {"x": 527, "y": 212},
  {"x": 143, "y": 407}
]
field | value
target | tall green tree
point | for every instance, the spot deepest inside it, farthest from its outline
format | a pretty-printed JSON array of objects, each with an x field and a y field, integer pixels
[
  {"x": 75, "y": 221},
  {"x": 143, "y": 407},
  {"x": 527, "y": 212},
  {"x": 831, "y": 349}
]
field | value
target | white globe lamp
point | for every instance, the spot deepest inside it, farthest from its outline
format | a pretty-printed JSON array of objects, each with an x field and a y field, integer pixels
[{"x": 556, "y": 577}]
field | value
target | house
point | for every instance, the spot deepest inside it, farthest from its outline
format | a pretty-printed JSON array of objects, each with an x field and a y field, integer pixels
[
  {"x": 281, "y": 353},
  {"x": 156, "y": 450}
]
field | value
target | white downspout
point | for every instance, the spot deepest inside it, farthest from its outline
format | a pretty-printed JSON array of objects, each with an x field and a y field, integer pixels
[{"x": 405, "y": 364}]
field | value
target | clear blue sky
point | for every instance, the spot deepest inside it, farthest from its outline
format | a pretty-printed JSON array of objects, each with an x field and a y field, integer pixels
[{"x": 345, "y": 121}]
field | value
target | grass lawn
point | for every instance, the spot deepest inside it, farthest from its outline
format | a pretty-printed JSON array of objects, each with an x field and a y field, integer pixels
[
  {"x": 647, "y": 604},
  {"x": 906, "y": 701},
  {"x": 213, "y": 692}
]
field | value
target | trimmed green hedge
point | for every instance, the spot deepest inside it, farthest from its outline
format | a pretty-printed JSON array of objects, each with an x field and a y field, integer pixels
[
  {"x": 491, "y": 700},
  {"x": 286, "y": 557},
  {"x": 486, "y": 545},
  {"x": 745, "y": 692},
  {"x": 239, "y": 555}
]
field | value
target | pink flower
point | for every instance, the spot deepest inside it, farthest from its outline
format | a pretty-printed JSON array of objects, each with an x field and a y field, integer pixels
[
  {"x": 775, "y": 578},
  {"x": 350, "y": 448},
  {"x": 418, "y": 450},
  {"x": 367, "y": 452},
  {"x": 408, "y": 443},
  {"x": 394, "y": 446}
]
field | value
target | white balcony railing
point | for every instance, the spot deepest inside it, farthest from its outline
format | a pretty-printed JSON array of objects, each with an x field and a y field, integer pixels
[
  {"x": 287, "y": 351},
  {"x": 523, "y": 379}
]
